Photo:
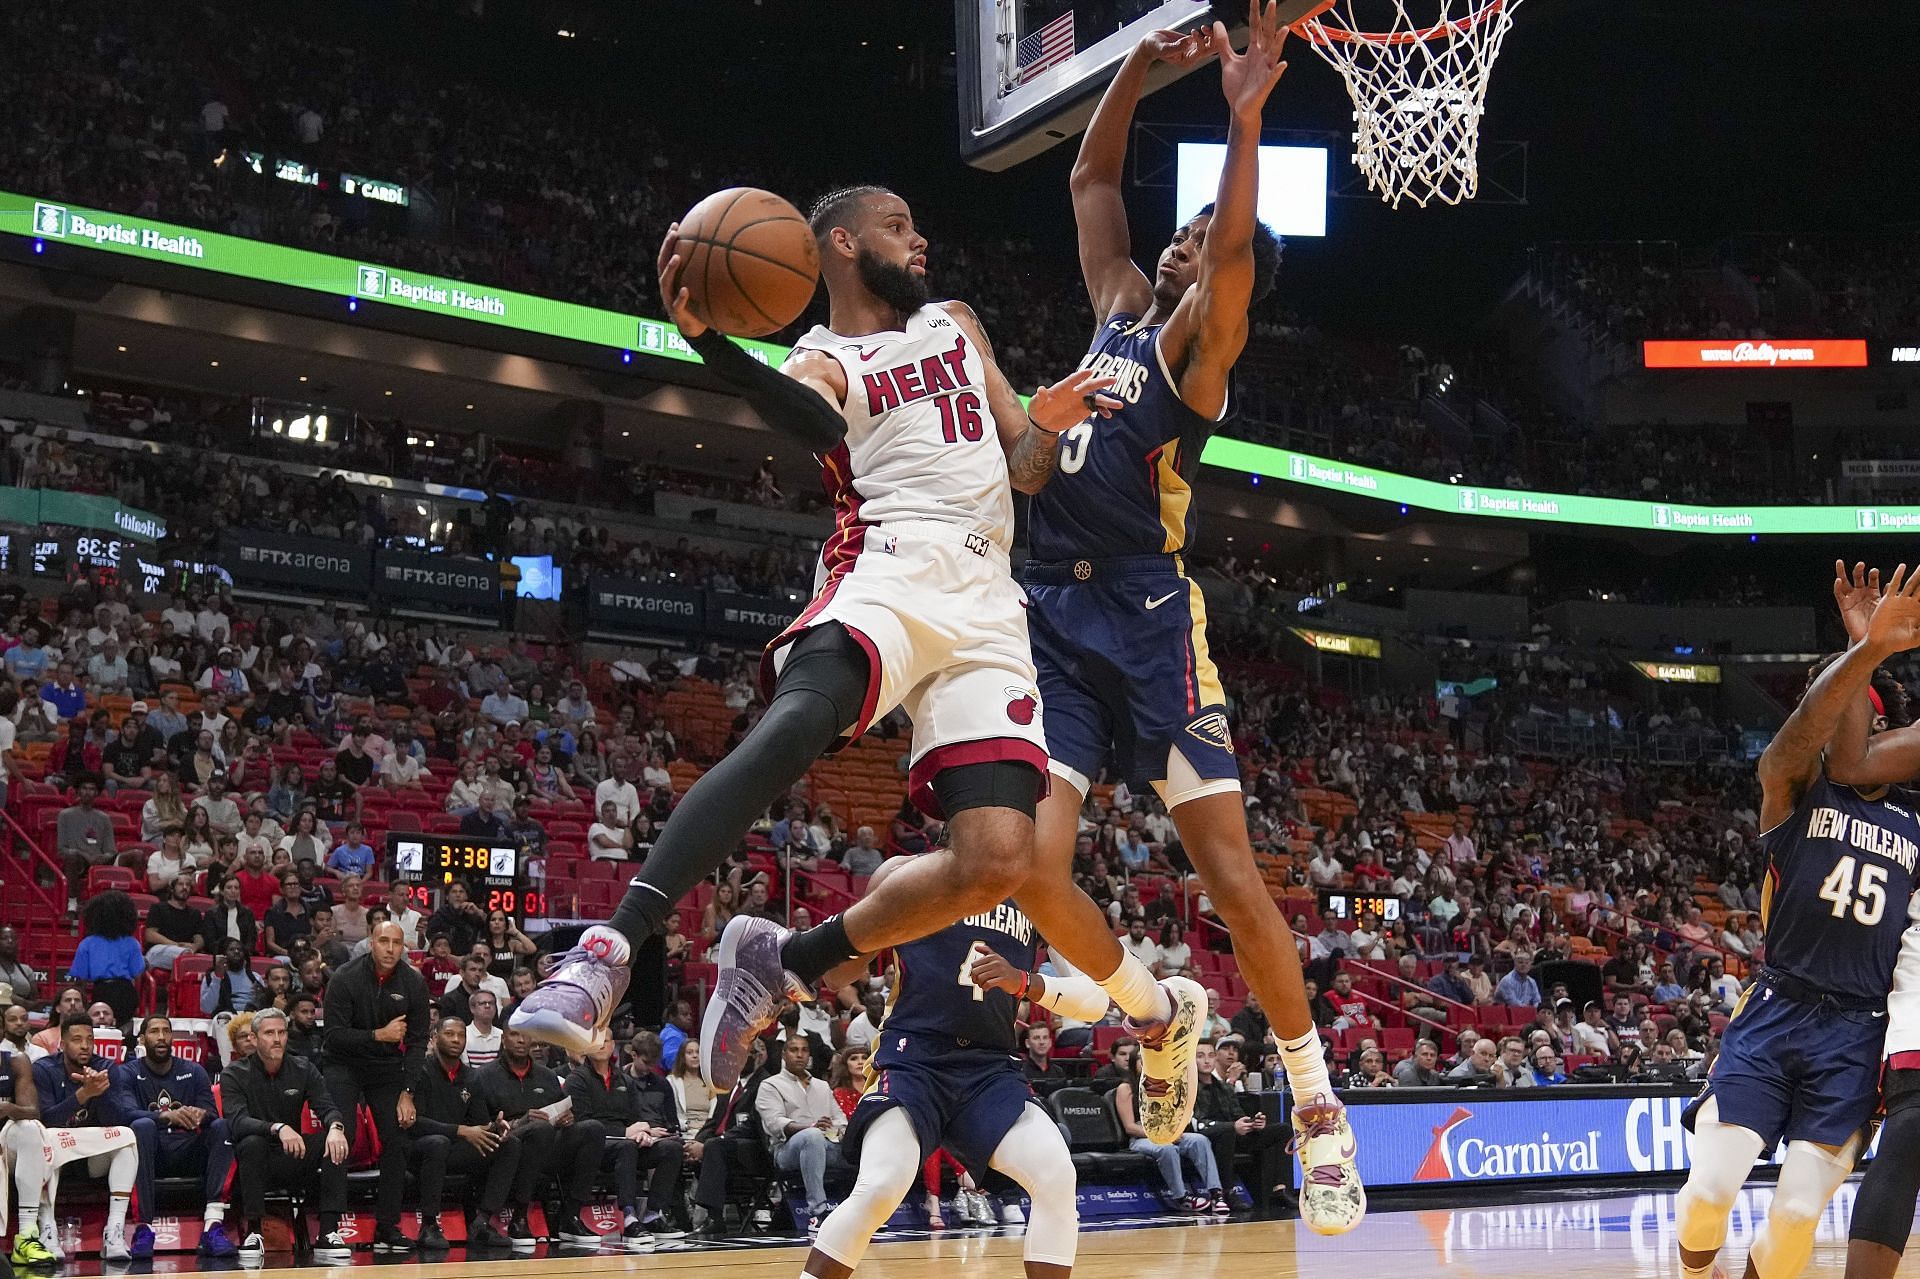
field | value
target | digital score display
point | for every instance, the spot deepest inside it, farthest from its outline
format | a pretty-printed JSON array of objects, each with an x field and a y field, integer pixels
[
  {"x": 1356, "y": 905},
  {"x": 492, "y": 873}
]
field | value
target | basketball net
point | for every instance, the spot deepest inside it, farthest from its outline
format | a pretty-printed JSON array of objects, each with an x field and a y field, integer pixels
[{"x": 1419, "y": 89}]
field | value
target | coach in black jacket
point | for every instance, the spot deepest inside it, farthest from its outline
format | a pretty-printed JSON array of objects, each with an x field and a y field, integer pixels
[
  {"x": 571, "y": 1147},
  {"x": 262, "y": 1096},
  {"x": 447, "y": 1125},
  {"x": 376, "y": 1016},
  {"x": 642, "y": 1136}
]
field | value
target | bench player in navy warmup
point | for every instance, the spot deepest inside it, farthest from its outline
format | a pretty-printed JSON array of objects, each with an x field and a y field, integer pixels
[
  {"x": 1119, "y": 630},
  {"x": 945, "y": 1070},
  {"x": 1800, "y": 1060}
]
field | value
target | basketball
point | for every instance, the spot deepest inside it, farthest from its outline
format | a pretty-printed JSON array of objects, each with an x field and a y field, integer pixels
[{"x": 748, "y": 261}]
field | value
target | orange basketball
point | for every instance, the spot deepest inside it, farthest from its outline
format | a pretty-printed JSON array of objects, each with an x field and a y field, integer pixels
[{"x": 748, "y": 261}]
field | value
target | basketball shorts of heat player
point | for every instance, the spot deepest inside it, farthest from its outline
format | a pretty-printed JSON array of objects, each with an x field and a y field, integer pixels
[
  {"x": 1121, "y": 648},
  {"x": 944, "y": 626}
]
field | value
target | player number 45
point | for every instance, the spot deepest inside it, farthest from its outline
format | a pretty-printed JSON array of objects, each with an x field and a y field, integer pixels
[{"x": 1868, "y": 897}]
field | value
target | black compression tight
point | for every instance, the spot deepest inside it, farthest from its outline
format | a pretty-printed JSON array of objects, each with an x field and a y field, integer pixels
[
  {"x": 820, "y": 693},
  {"x": 1883, "y": 1210}
]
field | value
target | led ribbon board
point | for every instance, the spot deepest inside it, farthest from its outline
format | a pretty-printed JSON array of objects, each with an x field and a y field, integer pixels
[
  {"x": 118, "y": 233},
  {"x": 1332, "y": 476}
]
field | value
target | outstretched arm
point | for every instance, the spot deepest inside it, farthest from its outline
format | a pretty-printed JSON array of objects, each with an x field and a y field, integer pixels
[
  {"x": 1792, "y": 759},
  {"x": 1114, "y": 283},
  {"x": 1031, "y": 436},
  {"x": 1209, "y": 329}
]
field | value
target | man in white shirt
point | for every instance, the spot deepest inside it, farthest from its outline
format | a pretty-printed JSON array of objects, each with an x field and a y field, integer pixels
[
  {"x": 1592, "y": 1037},
  {"x": 504, "y": 706},
  {"x": 483, "y": 1037},
  {"x": 1139, "y": 945},
  {"x": 1325, "y": 870},
  {"x": 400, "y": 771},
  {"x": 609, "y": 839},
  {"x": 180, "y": 617},
  {"x": 576, "y": 708},
  {"x": 862, "y": 1029},
  {"x": 400, "y": 911},
  {"x": 802, "y": 1122},
  {"x": 619, "y": 791},
  {"x": 1330, "y": 942},
  {"x": 212, "y": 624}
]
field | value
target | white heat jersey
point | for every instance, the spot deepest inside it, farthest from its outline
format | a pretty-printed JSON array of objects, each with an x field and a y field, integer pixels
[{"x": 921, "y": 443}]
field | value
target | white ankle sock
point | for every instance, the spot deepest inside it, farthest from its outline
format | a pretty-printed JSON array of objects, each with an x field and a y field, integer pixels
[
  {"x": 1306, "y": 1063},
  {"x": 216, "y": 1215},
  {"x": 1140, "y": 997},
  {"x": 116, "y": 1214},
  {"x": 609, "y": 943},
  {"x": 28, "y": 1219}
]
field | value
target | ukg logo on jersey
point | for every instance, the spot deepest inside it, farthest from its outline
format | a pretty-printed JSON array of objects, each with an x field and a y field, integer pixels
[{"x": 1471, "y": 1158}]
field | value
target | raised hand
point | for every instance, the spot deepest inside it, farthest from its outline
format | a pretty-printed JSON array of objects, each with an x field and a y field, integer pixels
[
  {"x": 676, "y": 299},
  {"x": 1855, "y": 597},
  {"x": 1247, "y": 78},
  {"x": 1895, "y": 626},
  {"x": 1177, "y": 48},
  {"x": 1066, "y": 403}
]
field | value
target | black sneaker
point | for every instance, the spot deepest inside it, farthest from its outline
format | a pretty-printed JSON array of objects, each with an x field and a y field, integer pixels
[
  {"x": 332, "y": 1247},
  {"x": 391, "y": 1239},
  {"x": 519, "y": 1234},
  {"x": 431, "y": 1240},
  {"x": 662, "y": 1227},
  {"x": 1238, "y": 1201},
  {"x": 482, "y": 1235},
  {"x": 637, "y": 1237}
]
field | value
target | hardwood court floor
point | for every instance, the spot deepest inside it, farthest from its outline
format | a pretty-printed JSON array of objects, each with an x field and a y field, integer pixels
[{"x": 1537, "y": 1235}]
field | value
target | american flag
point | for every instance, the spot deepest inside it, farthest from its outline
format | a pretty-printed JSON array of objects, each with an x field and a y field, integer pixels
[{"x": 1047, "y": 47}]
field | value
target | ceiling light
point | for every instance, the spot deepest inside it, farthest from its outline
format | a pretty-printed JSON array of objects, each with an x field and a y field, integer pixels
[
  {"x": 214, "y": 363},
  {"x": 469, "y": 406},
  {"x": 699, "y": 446},
  {"x": 121, "y": 349},
  {"x": 303, "y": 377},
  {"x": 625, "y": 434},
  {"x": 389, "y": 392}
]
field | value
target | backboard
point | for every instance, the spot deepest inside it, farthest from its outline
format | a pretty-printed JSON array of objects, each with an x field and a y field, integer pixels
[{"x": 1032, "y": 71}]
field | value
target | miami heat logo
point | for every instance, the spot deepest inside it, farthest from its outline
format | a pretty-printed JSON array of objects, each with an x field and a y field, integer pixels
[
  {"x": 1212, "y": 728},
  {"x": 1437, "y": 1165},
  {"x": 1022, "y": 704}
]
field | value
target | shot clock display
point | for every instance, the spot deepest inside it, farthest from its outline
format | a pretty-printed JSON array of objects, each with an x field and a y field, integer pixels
[{"x": 492, "y": 872}]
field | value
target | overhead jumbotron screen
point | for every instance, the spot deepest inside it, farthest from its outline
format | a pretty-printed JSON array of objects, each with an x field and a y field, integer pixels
[{"x": 1293, "y": 185}]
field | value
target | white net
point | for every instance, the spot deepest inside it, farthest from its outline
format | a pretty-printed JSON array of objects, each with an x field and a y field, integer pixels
[{"x": 1419, "y": 87}]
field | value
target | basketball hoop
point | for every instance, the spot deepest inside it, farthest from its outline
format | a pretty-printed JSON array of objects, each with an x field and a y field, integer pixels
[{"x": 1419, "y": 89}]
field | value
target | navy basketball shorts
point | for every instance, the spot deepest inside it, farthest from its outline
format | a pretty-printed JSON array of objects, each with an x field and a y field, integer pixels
[
  {"x": 967, "y": 1099},
  {"x": 1791, "y": 1070},
  {"x": 1126, "y": 678}
]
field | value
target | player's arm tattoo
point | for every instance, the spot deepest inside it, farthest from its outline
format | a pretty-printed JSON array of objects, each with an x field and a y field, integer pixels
[{"x": 1033, "y": 459}]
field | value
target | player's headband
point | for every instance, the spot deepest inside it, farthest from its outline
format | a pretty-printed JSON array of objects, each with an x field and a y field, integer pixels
[{"x": 1879, "y": 706}]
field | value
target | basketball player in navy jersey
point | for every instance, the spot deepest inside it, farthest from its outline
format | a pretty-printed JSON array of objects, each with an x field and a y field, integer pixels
[
  {"x": 1800, "y": 1060},
  {"x": 1119, "y": 630},
  {"x": 945, "y": 1070}
]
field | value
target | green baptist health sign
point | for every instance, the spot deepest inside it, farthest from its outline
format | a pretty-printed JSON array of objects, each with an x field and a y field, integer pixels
[
  {"x": 1555, "y": 508},
  {"x": 133, "y": 237}
]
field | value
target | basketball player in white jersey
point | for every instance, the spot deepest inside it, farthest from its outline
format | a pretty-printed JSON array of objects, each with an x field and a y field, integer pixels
[{"x": 920, "y": 440}]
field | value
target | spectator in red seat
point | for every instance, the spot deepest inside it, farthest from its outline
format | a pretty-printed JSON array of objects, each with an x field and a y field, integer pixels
[
  {"x": 223, "y": 814},
  {"x": 1349, "y": 1009},
  {"x": 230, "y": 986},
  {"x": 172, "y": 927},
  {"x": 1547, "y": 1066},
  {"x": 1519, "y": 987},
  {"x": 349, "y": 912},
  {"x": 259, "y": 886},
  {"x": 334, "y": 798},
  {"x": 1037, "y": 1064},
  {"x": 1421, "y": 1069},
  {"x": 719, "y": 909},
  {"x": 83, "y": 835},
  {"x": 22, "y": 980},
  {"x": 287, "y": 920}
]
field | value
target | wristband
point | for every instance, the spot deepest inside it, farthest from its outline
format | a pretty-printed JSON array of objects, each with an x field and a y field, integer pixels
[
  {"x": 1052, "y": 435},
  {"x": 1026, "y": 980}
]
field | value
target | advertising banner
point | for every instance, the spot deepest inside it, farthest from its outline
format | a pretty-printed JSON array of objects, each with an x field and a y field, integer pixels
[
  {"x": 1335, "y": 642},
  {"x": 57, "y": 224},
  {"x": 79, "y": 510},
  {"x": 1332, "y": 476},
  {"x": 1892, "y": 470},
  {"x": 438, "y": 579},
  {"x": 1759, "y": 353},
  {"x": 752, "y": 618},
  {"x": 629, "y": 604},
  {"x": 308, "y": 563},
  {"x": 1679, "y": 672}
]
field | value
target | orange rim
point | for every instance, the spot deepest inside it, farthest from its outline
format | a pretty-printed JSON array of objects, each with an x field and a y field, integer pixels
[{"x": 1312, "y": 28}]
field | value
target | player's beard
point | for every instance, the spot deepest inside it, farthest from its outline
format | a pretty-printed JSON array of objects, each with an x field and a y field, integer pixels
[{"x": 895, "y": 285}]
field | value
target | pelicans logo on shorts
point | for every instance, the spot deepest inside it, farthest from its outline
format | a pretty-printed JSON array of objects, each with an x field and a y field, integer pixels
[{"x": 1213, "y": 729}]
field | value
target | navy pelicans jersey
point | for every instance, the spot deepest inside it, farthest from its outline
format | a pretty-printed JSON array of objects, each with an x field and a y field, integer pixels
[
  {"x": 1122, "y": 483},
  {"x": 1834, "y": 903},
  {"x": 936, "y": 996}
]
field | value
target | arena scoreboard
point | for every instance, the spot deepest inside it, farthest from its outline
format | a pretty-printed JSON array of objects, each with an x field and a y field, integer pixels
[
  {"x": 492, "y": 870},
  {"x": 1354, "y": 905}
]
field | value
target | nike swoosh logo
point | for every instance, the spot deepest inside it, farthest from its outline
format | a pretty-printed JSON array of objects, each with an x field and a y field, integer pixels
[
  {"x": 868, "y": 355},
  {"x": 1162, "y": 600}
]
